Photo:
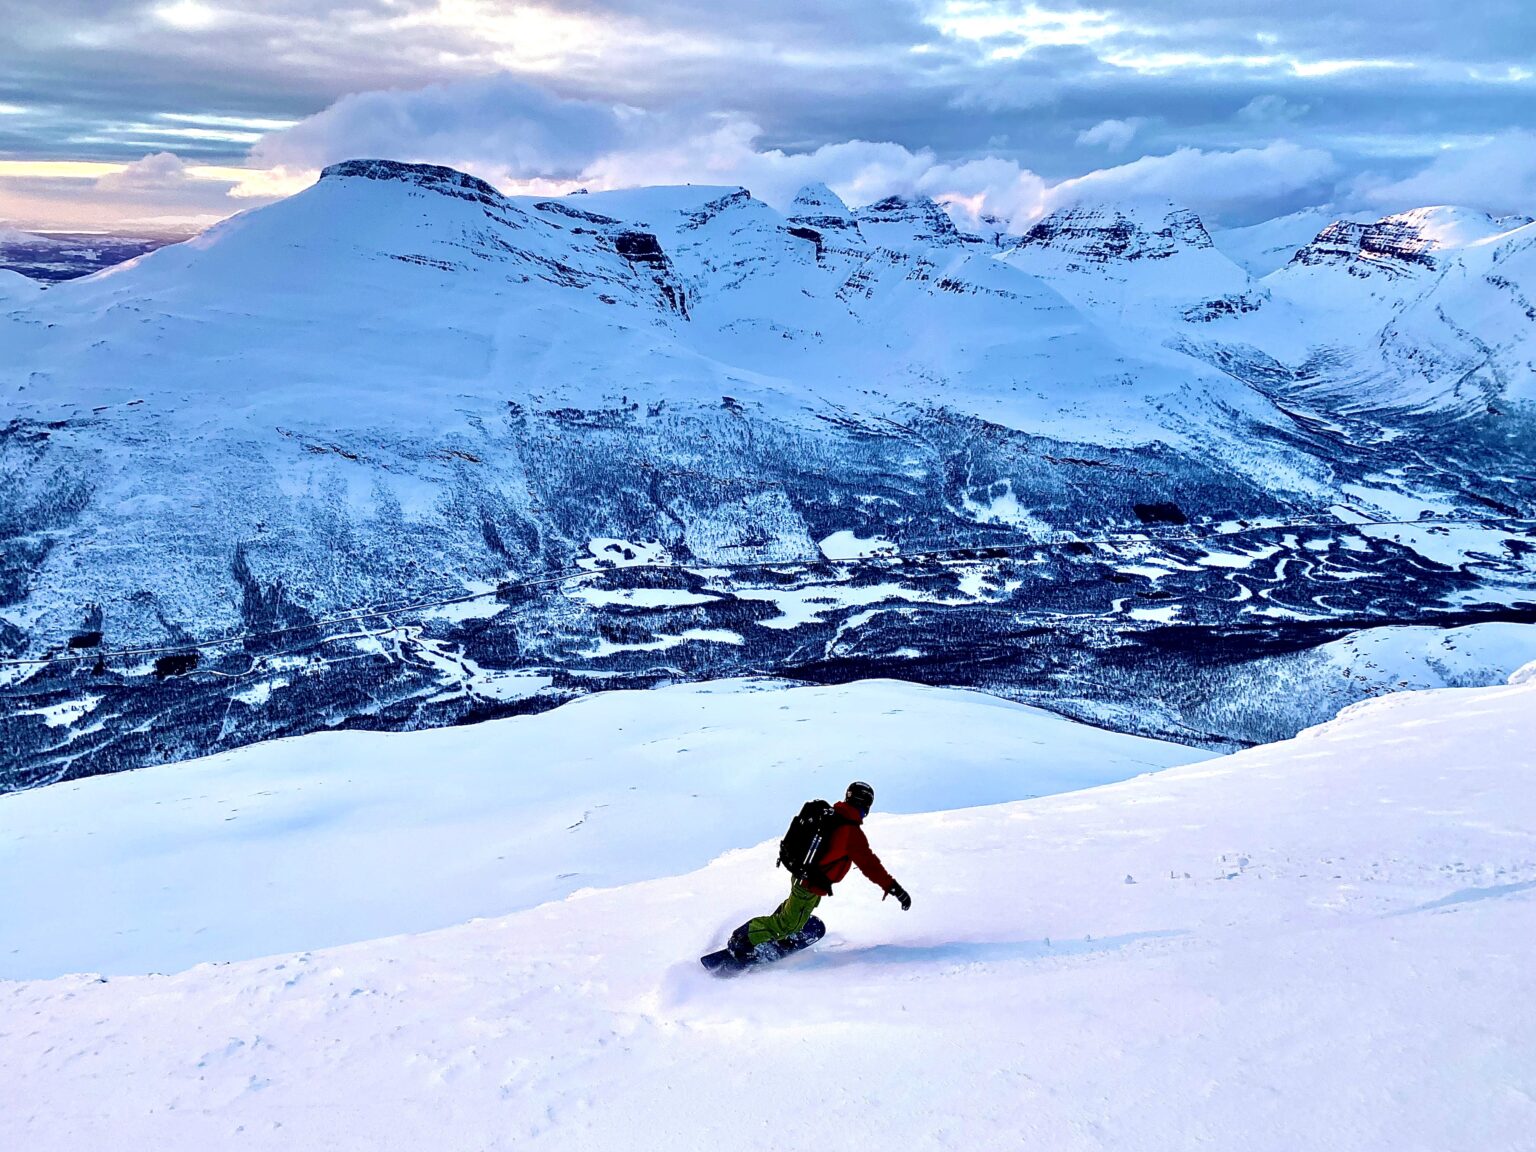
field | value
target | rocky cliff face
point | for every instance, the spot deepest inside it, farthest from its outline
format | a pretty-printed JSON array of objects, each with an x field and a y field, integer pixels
[
  {"x": 1100, "y": 234},
  {"x": 1389, "y": 247}
]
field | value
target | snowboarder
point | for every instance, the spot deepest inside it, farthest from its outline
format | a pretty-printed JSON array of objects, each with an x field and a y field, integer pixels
[{"x": 845, "y": 845}]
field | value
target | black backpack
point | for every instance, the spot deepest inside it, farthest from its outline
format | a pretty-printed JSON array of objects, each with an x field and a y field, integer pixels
[{"x": 800, "y": 850}]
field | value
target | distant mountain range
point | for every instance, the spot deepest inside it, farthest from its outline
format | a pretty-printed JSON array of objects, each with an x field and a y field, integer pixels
[
  {"x": 400, "y": 450},
  {"x": 53, "y": 256}
]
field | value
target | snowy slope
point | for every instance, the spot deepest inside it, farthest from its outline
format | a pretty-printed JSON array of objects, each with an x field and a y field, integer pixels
[
  {"x": 215, "y": 859},
  {"x": 1417, "y": 658},
  {"x": 16, "y": 288},
  {"x": 1264, "y": 247},
  {"x": 1476, "y": 331},
  {"x": 1318, "y": 944}
]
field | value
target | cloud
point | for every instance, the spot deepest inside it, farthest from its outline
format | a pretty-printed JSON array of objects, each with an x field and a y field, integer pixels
[
  {"x": 946, "y": 73},
  {"x": 525, "y": 129},
  {"x": 1111, "y": 134},
  {"x": 158, "y": 193},
  {"x": 157, "y": 172},
  {"x": 1271, "y": 109},
  {"x": 691, "y": 86},
  {"x": 1497, "y": 175},
  {"x": 526, "y": 141},
  {"x": 1235, "y": 186}
]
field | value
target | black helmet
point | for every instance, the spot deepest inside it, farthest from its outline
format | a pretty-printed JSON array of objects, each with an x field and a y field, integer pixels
[{"x": 861, "y": 796}]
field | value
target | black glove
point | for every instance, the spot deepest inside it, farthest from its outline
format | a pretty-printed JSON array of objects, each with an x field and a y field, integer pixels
[{"x": 900, "y": 893}]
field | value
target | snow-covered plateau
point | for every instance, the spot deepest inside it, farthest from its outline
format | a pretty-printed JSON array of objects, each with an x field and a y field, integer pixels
[
  {"x": 1321, "y": 943},
  {"x": 401, "y": 452}
]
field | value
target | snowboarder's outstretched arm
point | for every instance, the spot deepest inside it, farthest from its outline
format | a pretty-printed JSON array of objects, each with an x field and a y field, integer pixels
[{"x": 869, "y": 864}]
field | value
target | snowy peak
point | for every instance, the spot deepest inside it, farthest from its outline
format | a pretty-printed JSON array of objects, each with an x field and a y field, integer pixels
[
  {"x": 1106, "y": 234},
  {"x": 666, "y": 210},
  {"x": 1403, "y": 244},
  {"x": 1387, "y": 247},
  {"x": 818, "y": 208},
  {"x": 1447, "y": 226},
  {"x": 734, "y": 201},
  {"x": 818, "y": 202},
  {"x": 378, "y": 236},
  {"x": 902, "y": 221},
  {"x": 428, "y": 177},
  {"x": 1264, "y": 247}
]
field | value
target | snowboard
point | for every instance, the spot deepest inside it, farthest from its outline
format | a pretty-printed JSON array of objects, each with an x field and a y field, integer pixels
[{"x": 722, "y": 963}]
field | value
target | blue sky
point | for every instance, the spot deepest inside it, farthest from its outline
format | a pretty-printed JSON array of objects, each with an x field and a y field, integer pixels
[{"x": 184, "y": 111}]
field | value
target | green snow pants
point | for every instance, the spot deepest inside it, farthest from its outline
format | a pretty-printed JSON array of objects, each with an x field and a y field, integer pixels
[{"x": 789, "y": 919}]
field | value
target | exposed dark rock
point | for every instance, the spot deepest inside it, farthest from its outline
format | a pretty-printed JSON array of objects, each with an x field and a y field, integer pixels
[
  {"x": 643, "y": 249},
  {"x": 1103, "y": 235},
  {"x": 1225, "y": 306},
  {"x": 430, "y": 177},
  {"x": 1392, "y": 246},
  {"x": 639, "y": 248},
  {"x": 807, "y": 234}
]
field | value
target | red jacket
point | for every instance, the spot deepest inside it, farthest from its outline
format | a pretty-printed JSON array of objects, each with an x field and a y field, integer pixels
[{"x": 848, "y": 846}]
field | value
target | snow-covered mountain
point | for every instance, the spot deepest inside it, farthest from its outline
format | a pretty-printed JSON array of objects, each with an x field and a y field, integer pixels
[
  {"x": 1316, "y": 944},
  {"x": 1424, "y": 313},
  {"x": 402, "y": 451},
  {"x": 1382, "y": 265},
  {"x": 1148, "y": 264}
]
